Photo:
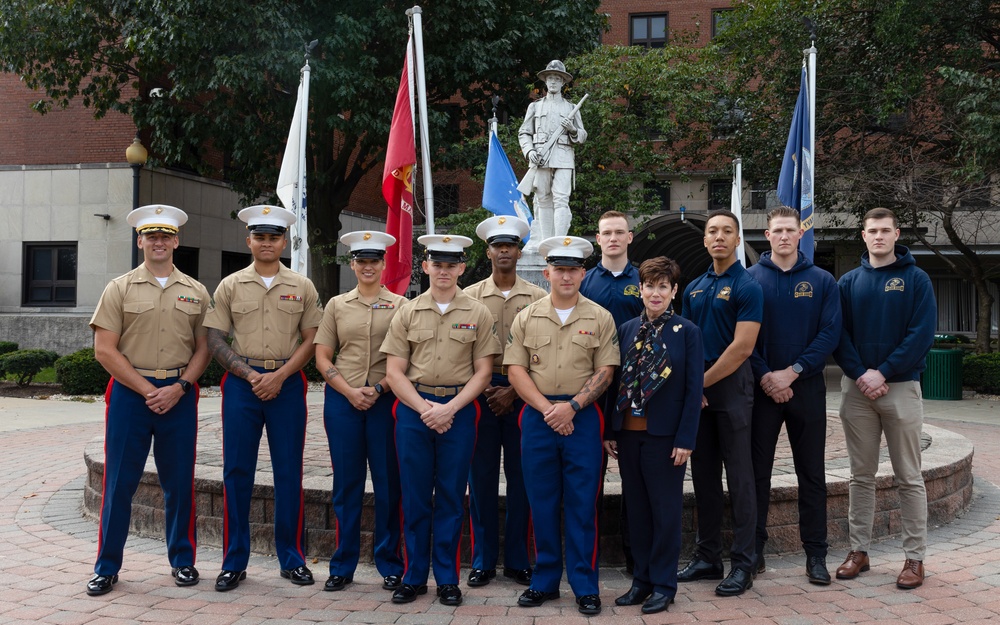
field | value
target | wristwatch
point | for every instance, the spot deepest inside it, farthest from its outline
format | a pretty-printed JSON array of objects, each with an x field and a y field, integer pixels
[
  {"x": 185, "y": 385},
  {"x": 797, "y": 369},
  {"x": 379, "y": 389},
  {"x": 574, "y": 405}
]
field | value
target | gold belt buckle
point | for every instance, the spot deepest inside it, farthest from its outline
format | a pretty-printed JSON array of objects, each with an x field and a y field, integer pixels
[
  {"x": 503, "y": 369},
  {"x": 269, "y": 365},
  {"x": 439, "y": 391},
  {"x": 161, "y": 374}
]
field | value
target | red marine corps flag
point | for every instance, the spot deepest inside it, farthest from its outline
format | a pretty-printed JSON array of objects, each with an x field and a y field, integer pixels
[{"x": 397, "y": 184}]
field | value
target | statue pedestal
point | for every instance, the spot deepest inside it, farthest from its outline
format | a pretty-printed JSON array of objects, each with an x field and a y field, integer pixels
[{"x": 530, "y": 268}]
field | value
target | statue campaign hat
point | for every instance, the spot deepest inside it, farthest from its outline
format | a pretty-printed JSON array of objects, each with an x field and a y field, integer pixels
[
  {"x": 555, "y": 67},
  {"x": 445, "y": 248},
  {"x": 266, "y": 219},
  {"x": 502, "y": 229},
  {"x": 565, "y": 251},
  {"x": 157, "y": 218},
  {"x": 367, "y": 244}
]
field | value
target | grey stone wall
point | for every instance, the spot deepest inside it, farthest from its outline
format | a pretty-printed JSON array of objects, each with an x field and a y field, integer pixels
[{"x": 61, "y": 333}]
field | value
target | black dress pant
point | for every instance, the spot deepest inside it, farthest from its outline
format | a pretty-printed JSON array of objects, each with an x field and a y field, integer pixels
[
  {"x": 804, "y": 417},
  {"x": 724, "y": 440}
]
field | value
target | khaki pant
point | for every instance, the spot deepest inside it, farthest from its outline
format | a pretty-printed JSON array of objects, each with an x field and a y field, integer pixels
[{"x": 900, "y": 416}]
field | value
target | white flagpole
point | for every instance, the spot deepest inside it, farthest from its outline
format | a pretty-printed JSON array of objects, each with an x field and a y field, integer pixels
[
  {"x": 811, "y": 79},
  {"x": 425, "y": 143},
  {"x": 736, "y": 206},
  {"x": 300, "y": 247}
]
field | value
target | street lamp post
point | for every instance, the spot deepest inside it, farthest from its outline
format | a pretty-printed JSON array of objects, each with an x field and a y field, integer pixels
[{"x": 136, "y": 156}]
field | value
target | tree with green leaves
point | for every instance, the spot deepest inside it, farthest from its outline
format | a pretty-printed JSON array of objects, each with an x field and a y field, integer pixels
[
  {"x": 906, "y": 115},
  {"x": 224, "y": 74}
]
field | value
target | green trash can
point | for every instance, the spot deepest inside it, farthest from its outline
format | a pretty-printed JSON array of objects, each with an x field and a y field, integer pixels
[{"x": 942, "y": 379}]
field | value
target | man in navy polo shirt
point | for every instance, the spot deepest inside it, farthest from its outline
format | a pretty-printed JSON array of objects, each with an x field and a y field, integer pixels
[{"x": 728, "y": 305}]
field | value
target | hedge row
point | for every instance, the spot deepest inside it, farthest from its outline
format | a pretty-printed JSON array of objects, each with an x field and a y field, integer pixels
[{"x": 981, "y": 372}]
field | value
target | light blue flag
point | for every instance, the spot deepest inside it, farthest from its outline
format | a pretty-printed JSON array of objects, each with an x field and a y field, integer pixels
[
  {"x": 795, "y": 182},
  {"x": 500, "y": 194}
]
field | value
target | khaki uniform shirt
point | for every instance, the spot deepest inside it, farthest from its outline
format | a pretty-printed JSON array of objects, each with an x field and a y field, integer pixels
[
  {"x": 504, "y": 309},
  {"x": 266, "y": 322},
  {"x": 561, "y": 358},
  {"x": 355, "y": 331},
  {"x": 157, "y": 326},
  {"x": 441, "y": 348}
]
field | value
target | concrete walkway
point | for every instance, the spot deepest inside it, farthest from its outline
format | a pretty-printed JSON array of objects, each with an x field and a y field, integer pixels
[{"x": 47, "y": 550}]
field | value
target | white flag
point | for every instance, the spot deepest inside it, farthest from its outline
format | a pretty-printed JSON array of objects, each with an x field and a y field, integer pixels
[
  {"x": 291, "y": 188},
  {"x": 736, "y": 206}
]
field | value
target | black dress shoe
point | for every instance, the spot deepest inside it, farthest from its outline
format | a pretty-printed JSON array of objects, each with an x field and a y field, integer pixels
[
  {"x": 227, "y": 580},
  {"x": 700, "y": 569},
  {"x": 391, "y": 582},
  {"x": 101, "y": 584},
  {"x": 521, "y": 576},
  {"x": 185, "y": 575},
  {"x": 336, "y": 582},
  {"x": 657, "y": 602},
  {"x": 534, "y": 598},
  {"x": 738, "y": 582},
  {"x": 407, "y": 593},
  {"x": 449, "y": 594},
  {"x": 816, "y": 570},
  {"x": 481, "y": 577},
  {"x": 589, "y": 604},
  {"x": 299, "y": 575},
  {"x": 634, "y": 596}
]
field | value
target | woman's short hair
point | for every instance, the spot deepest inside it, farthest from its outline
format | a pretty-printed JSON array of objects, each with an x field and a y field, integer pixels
[{"x": 656, "y": 269}]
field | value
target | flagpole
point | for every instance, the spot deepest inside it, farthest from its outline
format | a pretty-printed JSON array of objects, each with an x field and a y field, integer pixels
[
  {"x": 425, "y": 143},
  {"x": 811, "y": 53},
  {"x": 736, "y": 205},
  {"x": 300, "y": 252}
]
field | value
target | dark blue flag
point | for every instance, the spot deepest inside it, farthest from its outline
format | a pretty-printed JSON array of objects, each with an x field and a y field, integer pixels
[
  {"x": 795, "y": 182},
  {"x": 500, "y": 194}
]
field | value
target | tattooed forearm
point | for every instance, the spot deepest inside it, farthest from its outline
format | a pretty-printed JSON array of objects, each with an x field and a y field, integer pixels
[
  {"x": 594, "y": 387},
  {"x": 225, "y": 355},
  {"x": 331, "y": 373}
]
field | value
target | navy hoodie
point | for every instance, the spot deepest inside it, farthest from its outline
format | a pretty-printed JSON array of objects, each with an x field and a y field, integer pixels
[
  {"x": 802, "y": 320},
  {"x": 889, "y": 319}
]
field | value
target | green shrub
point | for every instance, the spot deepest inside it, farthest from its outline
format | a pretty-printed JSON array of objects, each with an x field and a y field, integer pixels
[
  {"x": 212, "y": 375},
  {"x": 7, "y": 347},
  {"x": 312, "y": 373},
  {"x": 981, "y": 372},
  {"x": 81, "y": 374},
  {"x": 24, "y": 364}
]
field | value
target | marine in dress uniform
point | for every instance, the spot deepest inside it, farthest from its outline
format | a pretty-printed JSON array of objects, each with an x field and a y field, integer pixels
[
  {"x": 505, "y": 295},
  {"x": 561, "y": 354},
  {"x": 726, "y": 303},
  {"x": 554, "y": 179},
  {"x": 357, "y": 412},
  {"x": 148, "y": 334},
  {"x": 440, "y": 351},
  {"x": 269, "y": 309}
]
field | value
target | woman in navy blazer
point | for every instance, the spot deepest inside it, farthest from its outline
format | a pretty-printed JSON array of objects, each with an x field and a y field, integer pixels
[{"x": 655, "y": 425}]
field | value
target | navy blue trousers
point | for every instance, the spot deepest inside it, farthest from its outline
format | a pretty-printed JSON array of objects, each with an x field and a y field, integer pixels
[
  {"x": 359, "y": 440},
  {"x": 654, "y": 492},
  {"x": 244, "y": 418},
  {"x": 562, "y": 475},
  {"x": 496, "y": 432},
  {"x": 130, "y": 428},
  {"x": 433, "y": 475}
]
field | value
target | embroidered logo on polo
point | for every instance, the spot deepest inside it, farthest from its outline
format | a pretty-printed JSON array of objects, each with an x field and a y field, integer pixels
[
  {"x": 724, "y": 293},
  {"x": 290, "y": 298},
  {"x": 382, "y": 306},
  {"x": 894, "y": 284},
  {"x": 803, "y": 289},
  {"x": 188, "y": 299},
  {"x": 463, "y": 326},
  {"x": 632, "y": 290}
]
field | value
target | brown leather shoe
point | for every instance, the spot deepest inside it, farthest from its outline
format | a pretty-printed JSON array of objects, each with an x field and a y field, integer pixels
[
  {"x": 855, "y": 564},
  {"x": 912, "y": 575}
]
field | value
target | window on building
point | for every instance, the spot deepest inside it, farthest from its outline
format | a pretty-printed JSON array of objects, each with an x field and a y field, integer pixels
[
  {"x": 649, "y": 30},
  {"x": 658, "y": 193},
  {"x": 720, "y": 21},
  {"x": 762, "y": 197},
  {"x": 446, "y": 200},
  {"x": 719, "y": 194},
  {"x": 975, "y": 196},
  {"x": 49, "y": 274},
  {"x": 186, "y": 260}
]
